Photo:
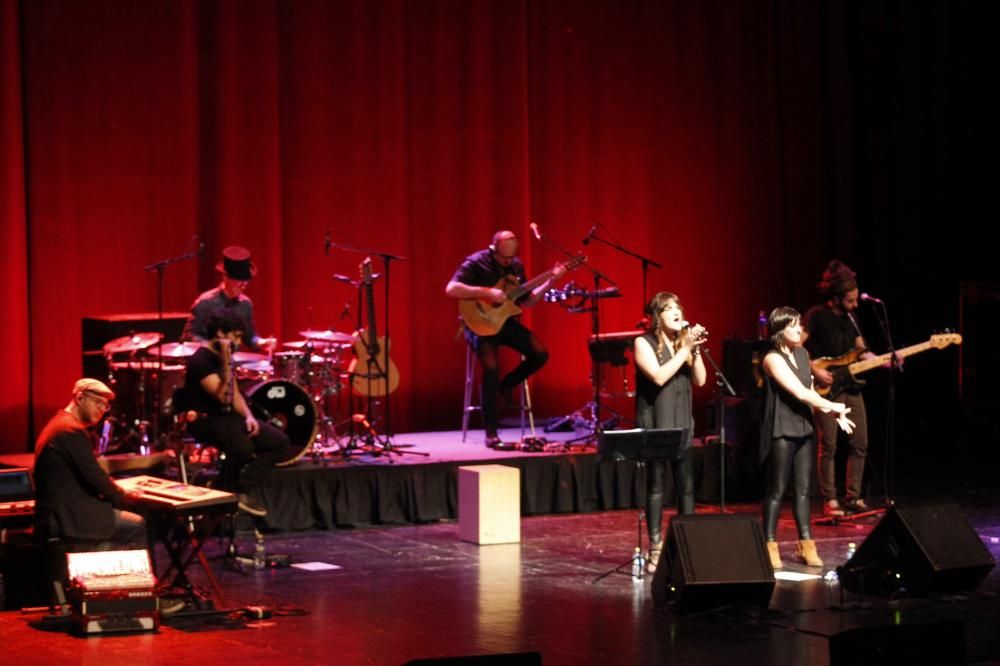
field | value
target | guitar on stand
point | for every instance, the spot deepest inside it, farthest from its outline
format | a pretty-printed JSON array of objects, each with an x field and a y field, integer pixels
[
  {"x": 373, "y": 374},
  {"x": 379, "y": 375}
]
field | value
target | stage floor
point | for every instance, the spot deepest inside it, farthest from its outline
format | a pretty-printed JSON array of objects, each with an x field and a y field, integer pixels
[
  {"x": 417, "y": 591},
  {"x": 405, "y": 587}
]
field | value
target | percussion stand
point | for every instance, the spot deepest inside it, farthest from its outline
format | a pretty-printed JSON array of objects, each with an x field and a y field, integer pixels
[{"x": 160, "y": 267}]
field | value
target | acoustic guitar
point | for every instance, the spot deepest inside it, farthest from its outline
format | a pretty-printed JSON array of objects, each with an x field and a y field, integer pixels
[
  {"x": 487, "y": 318},
  {"x": 372, "y": 371},
  {"x": 846, "y": 367}
]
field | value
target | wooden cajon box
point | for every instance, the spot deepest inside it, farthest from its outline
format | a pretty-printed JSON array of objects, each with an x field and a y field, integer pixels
[{"x": 489, "y": 504}]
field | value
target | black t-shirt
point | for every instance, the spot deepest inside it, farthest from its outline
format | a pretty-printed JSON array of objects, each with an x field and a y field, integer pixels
[
  {"x": 201, "y": 364},
  {"x": 830, "y": 334},
  {"x": 480, "y": 269}
]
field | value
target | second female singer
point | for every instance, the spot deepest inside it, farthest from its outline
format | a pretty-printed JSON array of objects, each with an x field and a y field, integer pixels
[{"x": 668, "y": 361}]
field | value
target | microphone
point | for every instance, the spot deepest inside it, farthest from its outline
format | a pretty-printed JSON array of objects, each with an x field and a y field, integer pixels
[
  {"x": 327, "y": 244},
  {"x": 869, "y": 297},
  {"x": 534, "y": 230},
  {"x": 590, "y": 234},
  {"x": 685, "y": 324},
  {"x": 346, "y": 312}
]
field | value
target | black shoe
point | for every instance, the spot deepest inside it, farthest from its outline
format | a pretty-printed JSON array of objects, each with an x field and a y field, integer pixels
[
  {"x": 856, "y": 506},
  {"x": 250, "y": 505},
  {"x": 170, "y": 607},
  {"x": 493, "y": 441}
]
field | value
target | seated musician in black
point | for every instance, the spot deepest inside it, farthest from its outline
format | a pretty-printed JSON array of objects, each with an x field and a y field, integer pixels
[
  {"x": 75, "y": 500},
  {"x": 219, "y": 415},
  {"x": 477, "y": 278}
]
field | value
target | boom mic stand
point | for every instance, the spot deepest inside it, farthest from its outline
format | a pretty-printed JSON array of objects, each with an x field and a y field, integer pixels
[
  {"x": 646, "y": 261},
  {"x": 725, "y": 389},
  {"x": 593, "y": 406},
  {"x": 386, "y": 445},
  {"x": 160, "y": 267}
]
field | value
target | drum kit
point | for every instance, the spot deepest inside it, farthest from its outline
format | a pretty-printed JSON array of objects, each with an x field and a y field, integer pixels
[{"x": 298, "y": 389}]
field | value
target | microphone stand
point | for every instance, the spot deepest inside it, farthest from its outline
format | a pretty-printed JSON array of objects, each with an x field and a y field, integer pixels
[
  {"x": 160, "y": 267},
  {"x": 889, "y": 473},
  {"x": 646, "y": 261},
  {"x": 725, "y": 389},
  {"x": 387, "y": 444},
  {"x": 595, "y": 329}
]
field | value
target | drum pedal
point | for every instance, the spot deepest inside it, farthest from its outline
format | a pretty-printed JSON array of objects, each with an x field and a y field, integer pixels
[{"x": 533, "y": 444}]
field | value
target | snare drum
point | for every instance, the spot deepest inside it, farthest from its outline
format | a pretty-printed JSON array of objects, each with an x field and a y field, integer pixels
[
  {"x": 290, "y": 366},
  {"x": 287, "y": 407}
]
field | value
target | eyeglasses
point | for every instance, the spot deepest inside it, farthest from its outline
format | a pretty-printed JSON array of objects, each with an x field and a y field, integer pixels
[{"x": 101, "y": 403}]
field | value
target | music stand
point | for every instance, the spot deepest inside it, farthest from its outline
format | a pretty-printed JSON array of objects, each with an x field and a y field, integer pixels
[{"x": 640, "y": 445}]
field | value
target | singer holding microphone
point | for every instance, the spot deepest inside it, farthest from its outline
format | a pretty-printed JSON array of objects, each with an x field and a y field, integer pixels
[
  {"x": 668, "y": 361},
  {"x": 832, "y": 330},
  {"x": 218, "y": 414}
]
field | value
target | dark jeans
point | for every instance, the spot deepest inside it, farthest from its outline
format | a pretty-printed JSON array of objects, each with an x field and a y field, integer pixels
[
  {"x": 516, "y": 336},
  {"x": 656, "y": 473},
  {"x": 857, "y": 448},
  {"x": 251, "y": 458},
  {"x": 788, "y": 455}
]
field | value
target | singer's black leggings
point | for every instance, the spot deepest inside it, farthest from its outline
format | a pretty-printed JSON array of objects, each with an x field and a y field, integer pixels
[
  {"x": 796, "y": 455},
  {"x": 656, "y": 478}
]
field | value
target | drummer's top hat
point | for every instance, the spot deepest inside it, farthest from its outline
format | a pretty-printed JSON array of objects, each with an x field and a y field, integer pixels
[{"x": 236, "y": 263}]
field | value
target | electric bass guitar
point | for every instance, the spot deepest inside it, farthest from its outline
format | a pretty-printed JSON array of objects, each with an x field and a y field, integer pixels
[
  {"x": 372, "y": 371},
  {"x": 487, "y": 318},
  {"x": 846, "y": 367}
]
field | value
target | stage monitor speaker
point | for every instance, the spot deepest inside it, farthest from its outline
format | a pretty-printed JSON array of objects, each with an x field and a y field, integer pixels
[
  {"x": 922, "y": 549},
  {"x": 713, "y": 560},
  {"x": 938, "y": 643}
]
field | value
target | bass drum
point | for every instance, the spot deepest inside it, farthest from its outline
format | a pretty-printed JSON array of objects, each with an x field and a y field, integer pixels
[{"x": 287, "y": 407}]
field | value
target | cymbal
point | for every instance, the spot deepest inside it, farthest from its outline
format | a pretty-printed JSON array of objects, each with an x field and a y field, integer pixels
[
  {"x": 326, "y": 336},
  {"x": 178, "y": 349},
  {"x": 240, "y": 357},
  {"x": 316, "y": 344},
  {"x": 134, "y": 342}
]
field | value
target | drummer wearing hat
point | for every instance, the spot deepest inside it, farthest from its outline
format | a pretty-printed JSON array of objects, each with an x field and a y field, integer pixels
[
  {"x": 237, "y": 270},
  {"x": 74, "y": 498}
]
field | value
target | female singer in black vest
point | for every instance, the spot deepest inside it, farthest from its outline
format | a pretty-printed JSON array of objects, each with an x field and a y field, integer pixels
[
  {"x": 668, "y": 361},
  {"x": 787, "y": 435}
]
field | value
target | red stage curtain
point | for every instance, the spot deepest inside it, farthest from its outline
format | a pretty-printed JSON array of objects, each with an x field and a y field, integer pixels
[{"x": 689, "y": 132}]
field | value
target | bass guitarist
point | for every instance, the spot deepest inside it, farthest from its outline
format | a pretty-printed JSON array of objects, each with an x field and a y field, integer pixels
[
  {"x": 487, "y": 276},
  {"x": 832, "y": 330}
]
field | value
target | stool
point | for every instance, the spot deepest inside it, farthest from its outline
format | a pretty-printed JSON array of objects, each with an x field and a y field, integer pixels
[
  {"x": 489, "y": 504},
  {"x": 468, "y": 406}
]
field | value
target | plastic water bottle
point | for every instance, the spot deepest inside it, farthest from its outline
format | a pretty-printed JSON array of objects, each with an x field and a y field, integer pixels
[
  {"x": 638, "y": 565},
  {"x": 259, "y": 552},
  {"x": 851, "y": 548},
  {"x": 762, "y": 325}
]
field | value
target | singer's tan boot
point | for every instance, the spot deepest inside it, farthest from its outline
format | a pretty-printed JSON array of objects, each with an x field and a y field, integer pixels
[
  {"x": 772, "y": 552},
  {"x": 807, "y": 551}
]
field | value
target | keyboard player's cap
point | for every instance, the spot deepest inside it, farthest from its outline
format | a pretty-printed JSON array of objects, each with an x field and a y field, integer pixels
[{"x": 90, "y": 385}]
